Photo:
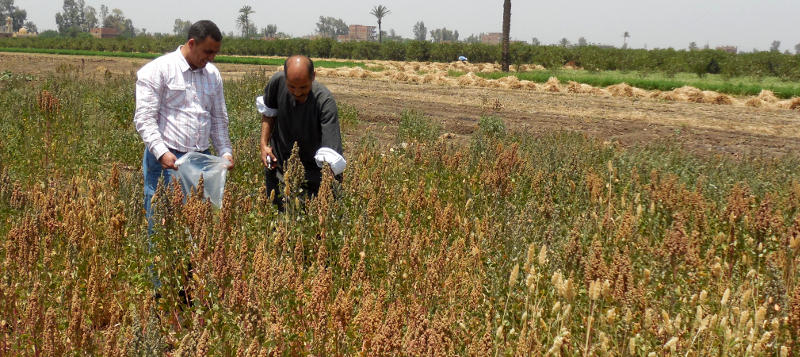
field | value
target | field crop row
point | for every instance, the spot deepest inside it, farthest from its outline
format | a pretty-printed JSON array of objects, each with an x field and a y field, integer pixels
[{"x": 510, "y": 245}]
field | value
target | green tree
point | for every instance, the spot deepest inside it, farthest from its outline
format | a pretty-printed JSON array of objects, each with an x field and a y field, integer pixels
[
  {"x": 380, "y": 12},
  {"x": 122, "y": 24},
  {"x": 18, "y": 16},
  {"x": 90, "y": 17},
  {"x": 444, "y": 35},
  {"x": 420, "y": 31},
  {"x": 331, "y": 27},
  {"x": 775, "y": 46},
  {"x": 506, "y": 33},
  {"x": 582, "y": 42},
  {"x": 31, "y": 26},
  {"x": 243, "y": 21},
  {"x": 70, "y": 21},
  {"x": 181, "y": 27},
  {"x": 270, "y": 31}
]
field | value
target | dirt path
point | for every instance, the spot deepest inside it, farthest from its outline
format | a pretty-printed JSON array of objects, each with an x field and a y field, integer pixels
[{"x": 702, "y": 128}]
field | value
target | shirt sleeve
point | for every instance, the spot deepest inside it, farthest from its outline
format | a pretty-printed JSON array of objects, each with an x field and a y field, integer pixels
[
  {"x": 329, "y": 125},
  {"x": 145, "y": 118},
  {"x": 220, "y": 135},
  {"x": 271, "y": 96}
]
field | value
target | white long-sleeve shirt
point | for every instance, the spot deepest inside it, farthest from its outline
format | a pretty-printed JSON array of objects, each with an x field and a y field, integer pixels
[{"x": 180, "y": 108}]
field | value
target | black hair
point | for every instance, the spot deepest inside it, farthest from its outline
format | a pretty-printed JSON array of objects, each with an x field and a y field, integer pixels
[
  {"x": 202, "y": 29},
  {"x": 310, "y": 65}
]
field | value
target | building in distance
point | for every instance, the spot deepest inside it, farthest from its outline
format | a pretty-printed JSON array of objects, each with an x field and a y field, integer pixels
[
  {"x": 358, "y": 33},
  {"x": 491, "y": 38},
  {"x": 104, "y": 32}
]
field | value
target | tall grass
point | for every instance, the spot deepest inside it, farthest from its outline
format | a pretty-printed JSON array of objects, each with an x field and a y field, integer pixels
[{"x": 515, "y": 244}]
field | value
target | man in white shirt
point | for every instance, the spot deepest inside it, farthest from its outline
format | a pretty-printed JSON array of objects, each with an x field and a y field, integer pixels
[{"x": 180, "y": 105}]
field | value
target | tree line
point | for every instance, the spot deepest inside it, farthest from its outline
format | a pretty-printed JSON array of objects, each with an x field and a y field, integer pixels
[{"x": 554, "y": 57}]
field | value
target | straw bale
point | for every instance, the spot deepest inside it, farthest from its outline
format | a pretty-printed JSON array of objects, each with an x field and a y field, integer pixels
[
  {"x": 673, "y": 96},
  {"x": 718, "y": 98},
  {"x": 601, "y": 91},
  {"x": 768, "y": 96},
  {"x": 692, "y": 94},
  {"x": 639, "y": 93},
  {"x": 621, "y": 90},
  {"x": 510, "y": 82},
  {"x": 794, "y": 104},
  {"x": 493, "y": 83},
  {"x": 529, "y": 85},
  {"x": 324, "y": 72},
  {"x": 358, "y": 72},
  {"x": 552, "y": 85},
  {"x": 400, "y": 76},
  {"x": 655, "y": 94},
  {"x": 467, "y": 79},
  {"x": 754, "y": 102},
  {"x": 573, "y": 87}
]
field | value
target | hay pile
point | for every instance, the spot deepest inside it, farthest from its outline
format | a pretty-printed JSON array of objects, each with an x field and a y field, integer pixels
[
  {"x": 691, "y": 94},
  {"x": 468, "y": 79},
  {"x": 552, "y": 85},
  {"x": 621, "y": 90},
  {"x": 581, "y": 88},
  {"x": 793, "y": 104},
  {"x": 717, "y": 98},
  {"x": 436, "y": 73},
  {"x": 768, "y": 96},
  {"x": 511, "y": 82},
  {"x": 533, "y": 86},
  {"x": 754, "y": 102}
]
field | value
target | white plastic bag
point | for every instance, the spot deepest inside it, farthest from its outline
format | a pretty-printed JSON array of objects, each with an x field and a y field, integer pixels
[{"x": 214, "y": 169}]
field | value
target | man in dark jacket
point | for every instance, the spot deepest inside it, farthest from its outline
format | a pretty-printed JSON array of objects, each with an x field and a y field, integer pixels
[{"x": 297, "y": 109}]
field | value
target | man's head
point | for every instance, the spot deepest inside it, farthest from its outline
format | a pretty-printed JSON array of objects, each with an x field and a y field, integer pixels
[
  {"x": 299, "y": 71},
  {"x": 203, "y": 43}
]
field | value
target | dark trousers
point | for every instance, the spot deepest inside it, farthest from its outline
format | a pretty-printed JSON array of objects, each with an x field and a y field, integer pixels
[{"x": 273, "y": 180}]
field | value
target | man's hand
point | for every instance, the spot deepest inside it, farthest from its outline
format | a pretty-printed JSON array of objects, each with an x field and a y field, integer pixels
[
  {"x": 230, "y": 159},
  {"x": 269, "y": 159},
  {"x": 168, "y": 161}
]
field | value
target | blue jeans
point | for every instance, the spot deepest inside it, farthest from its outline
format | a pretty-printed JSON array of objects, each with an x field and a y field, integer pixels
[{"x": 153, "y": 173}]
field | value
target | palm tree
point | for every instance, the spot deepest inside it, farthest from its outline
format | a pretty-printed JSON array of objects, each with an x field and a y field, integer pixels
[
  {"x": 244, "y": 20},
  {"x": 380, "y": 11},
  {"x": 506, "y": 29}
]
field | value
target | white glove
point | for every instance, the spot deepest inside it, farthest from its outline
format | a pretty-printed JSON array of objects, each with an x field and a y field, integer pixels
[{"x": 336, "y": 161}]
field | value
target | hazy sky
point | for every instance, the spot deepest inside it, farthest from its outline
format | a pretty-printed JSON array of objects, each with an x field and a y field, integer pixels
[{"x": 747, "y": 24}]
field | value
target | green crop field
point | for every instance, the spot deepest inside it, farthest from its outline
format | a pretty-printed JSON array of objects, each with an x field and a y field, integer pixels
[{"x": 510, "y": 244}]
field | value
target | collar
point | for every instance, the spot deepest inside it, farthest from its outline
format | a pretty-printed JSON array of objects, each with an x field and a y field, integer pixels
[{"x": 183, "y": 64}]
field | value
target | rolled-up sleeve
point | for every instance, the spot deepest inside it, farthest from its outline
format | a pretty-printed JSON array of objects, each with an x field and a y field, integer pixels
[
  {"x": 145, "y": 118},
  {"x": 220, "y": 135}
]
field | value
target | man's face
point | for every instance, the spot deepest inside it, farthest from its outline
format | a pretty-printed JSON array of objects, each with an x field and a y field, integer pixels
[
  {"x": 200, "y": 53},
  {"x": 299, "y": 82}
]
